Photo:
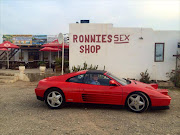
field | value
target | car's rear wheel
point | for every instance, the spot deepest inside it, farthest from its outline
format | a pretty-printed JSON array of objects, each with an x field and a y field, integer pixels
[
  {"x": 137, "y": 102},
  {"x": 54, "y": 99}
]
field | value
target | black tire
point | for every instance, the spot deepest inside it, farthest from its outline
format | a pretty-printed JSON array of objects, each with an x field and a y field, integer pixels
[
  {"x": 137, "y": 102},
  {"x": 54, "y": 98}
]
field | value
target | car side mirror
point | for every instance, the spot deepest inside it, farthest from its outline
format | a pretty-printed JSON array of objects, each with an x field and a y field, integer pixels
[{"x": 112, "y": 83}]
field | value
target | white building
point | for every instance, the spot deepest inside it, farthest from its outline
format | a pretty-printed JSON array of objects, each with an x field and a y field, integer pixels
[{"x": 125, "y": 52}]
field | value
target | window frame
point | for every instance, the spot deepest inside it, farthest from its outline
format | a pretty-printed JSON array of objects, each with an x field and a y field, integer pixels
[
  {"x": 97, "y": 74},
  {"x": 75, "y": 76},
  {"x": 155, "y": 52}
]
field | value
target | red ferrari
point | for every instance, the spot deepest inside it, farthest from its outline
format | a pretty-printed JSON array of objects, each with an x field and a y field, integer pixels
[{"x": 101, "y": 87}]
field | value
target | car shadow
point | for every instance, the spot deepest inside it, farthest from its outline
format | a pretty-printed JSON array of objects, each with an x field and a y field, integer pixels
[
  {"x": 158, "y": 111},
  {"x": 82, "y": 106},
  {"x": 92, "y": 106}
]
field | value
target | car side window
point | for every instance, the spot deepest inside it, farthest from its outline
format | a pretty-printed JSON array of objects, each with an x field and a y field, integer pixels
[
  {"x": 76, "y": 79},
  {"x": 96, "y": 79}
]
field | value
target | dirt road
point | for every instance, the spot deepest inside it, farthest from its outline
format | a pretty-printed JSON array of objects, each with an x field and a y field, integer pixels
[{"x": 21, "y": 113}]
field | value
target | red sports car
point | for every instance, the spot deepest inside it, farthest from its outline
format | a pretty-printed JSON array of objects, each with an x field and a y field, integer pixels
[{"x": 100, "y": 87}]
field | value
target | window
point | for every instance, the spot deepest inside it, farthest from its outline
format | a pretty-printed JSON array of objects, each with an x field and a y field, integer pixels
[
  {"x": 76, "y": 79},
  {"x": 96, "y": 79},
  {"x": 159, "y": 52},
  {"x": 121, "y": 81},
  {"x": 33, "y": 55}
]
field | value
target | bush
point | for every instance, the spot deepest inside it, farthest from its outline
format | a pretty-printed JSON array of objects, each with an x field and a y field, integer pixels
[
  {"x": 85, "y": 67},
  {"x": 41, "y": 63},
  {"x": 75, "y": 69},
  {"x": 174, "y": 76},
  {"x": 145, "y": 78},
  {"x": 58, "y": 62},
  {"x": 21, "y": 64},
  {"x": 93, "y": 67},
  {"x": 66, "y": 63}
]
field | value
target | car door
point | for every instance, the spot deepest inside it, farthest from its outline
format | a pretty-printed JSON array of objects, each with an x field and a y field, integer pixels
[
  {"x": 72, "y": 88},
  {"x": 101, "y": 92}
]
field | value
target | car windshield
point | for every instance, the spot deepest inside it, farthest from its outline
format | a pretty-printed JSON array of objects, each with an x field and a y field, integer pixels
[{"x": 120, "y": 80}]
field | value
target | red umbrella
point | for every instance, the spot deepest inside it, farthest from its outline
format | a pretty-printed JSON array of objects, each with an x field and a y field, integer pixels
[
  {"x": 55, "y": 44},
  {"x": 4, "y": 49},
  {"x": 50, "y": 49},
  {"x": 7, "y": 44}
]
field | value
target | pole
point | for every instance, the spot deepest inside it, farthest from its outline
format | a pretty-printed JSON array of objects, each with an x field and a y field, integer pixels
[
  {"x": 21, "y": 54},
  {"x": 7, "y": 60},
  {"x": 58, "y": 50},
  {"x": 43, "y": 56},
  {"x": 63, "y": 57},
  {"x": 50, "y": 60},
  {"x": 176, "y": 69}
]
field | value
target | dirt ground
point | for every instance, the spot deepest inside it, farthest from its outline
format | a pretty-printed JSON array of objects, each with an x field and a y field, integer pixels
[{"x": 21, "y": 113}]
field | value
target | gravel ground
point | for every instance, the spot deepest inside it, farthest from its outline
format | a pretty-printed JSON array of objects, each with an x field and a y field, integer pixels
[{"x": 21, "y": 113}]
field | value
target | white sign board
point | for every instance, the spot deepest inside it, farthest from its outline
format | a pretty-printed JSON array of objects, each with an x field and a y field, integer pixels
[
  {"x": 51, "y": 38},
  {"x": 60, "y": 38}
]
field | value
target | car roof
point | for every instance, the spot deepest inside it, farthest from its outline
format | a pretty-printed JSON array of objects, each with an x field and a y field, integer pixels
[{"x": 95, "y": 72}]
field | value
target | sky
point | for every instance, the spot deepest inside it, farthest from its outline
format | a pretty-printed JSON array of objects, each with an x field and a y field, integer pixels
[{"x": 51, "y": 17}]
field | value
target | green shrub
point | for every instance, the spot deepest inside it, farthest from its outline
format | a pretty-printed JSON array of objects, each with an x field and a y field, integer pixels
[
  {"x": 41, "y": 63},
  {"x": 75, "y": 69},
  {"x": 93, "y": 67},
  {"x": 21, "y": 64},
  {"x": 58, "y": 62},
  {"x": 85, "y": 67},
  {"x": 66, "y": 63},
  {"x": 174, "y": 76},
  {"x": 145, "y": 78}
]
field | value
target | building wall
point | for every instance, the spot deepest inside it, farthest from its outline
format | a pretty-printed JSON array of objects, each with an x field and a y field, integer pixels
[
  {"x": 171, "y": 39},
  {"x": 125, "y": 59}
]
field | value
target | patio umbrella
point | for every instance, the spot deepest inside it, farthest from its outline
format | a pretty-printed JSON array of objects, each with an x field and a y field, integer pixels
[
  {"x": 3, "y": 49},
  {"x": 6, "y": 45},
  {"x": 55, "y": 44},
  {"x": 50, "y": 49}
]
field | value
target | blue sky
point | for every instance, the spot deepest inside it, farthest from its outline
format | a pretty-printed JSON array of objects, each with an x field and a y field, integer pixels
[{"x": 53, "y": 16}]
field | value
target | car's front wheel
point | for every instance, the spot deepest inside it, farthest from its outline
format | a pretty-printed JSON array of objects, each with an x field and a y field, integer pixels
[
  {"x": 137, "y": 102},
  {"x": 54, "y": 99}
]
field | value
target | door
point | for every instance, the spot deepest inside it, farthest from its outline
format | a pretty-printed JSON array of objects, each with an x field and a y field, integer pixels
[
  {"x": 72, "y": 88},
  {"x": 96, "y": 89}
]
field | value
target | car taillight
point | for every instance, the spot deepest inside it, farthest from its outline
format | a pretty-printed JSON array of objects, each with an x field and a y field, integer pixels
[{"x": 154, "y": 85}]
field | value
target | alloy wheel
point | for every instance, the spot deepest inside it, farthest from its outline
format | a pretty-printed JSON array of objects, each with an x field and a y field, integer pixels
[
  {"x": 54, "y": 99},
  {"x": 137, "y": 102}
]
